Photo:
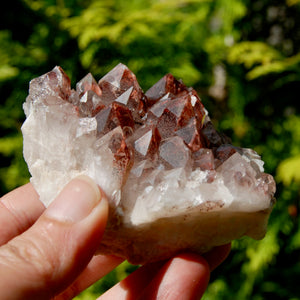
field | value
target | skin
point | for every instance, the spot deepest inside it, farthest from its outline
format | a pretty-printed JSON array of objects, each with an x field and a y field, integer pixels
[{"x": 49, "y": 253}]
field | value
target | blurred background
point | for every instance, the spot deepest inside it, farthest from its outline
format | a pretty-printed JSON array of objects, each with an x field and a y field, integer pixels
[{"x": 243, "y": 58}]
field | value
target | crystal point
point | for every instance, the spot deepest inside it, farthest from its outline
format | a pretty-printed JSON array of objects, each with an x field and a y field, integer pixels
[
  {"x": 166, "y": 85},
  {"x": 88, "y": 83},
  {"x": 174, "y": 153},
  {"x": 146, "y": 140}
]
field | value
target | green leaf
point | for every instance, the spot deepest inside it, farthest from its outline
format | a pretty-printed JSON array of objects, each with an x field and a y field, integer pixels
[
  {"x": 253, "y": 53},
  {"x": 279, "y": 66},
  {"x": 288, "y": 170},
  {"x": 8, "y": 72},
  {"x": 9, "y": 145}
]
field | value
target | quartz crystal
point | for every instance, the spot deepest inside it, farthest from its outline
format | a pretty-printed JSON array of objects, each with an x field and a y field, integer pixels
[{"x": 173, "y": 182}]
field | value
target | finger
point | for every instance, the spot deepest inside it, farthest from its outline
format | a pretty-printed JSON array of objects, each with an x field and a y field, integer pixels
[
  {"x": 19, "y": 209},
  {"x": 185, "y": 277},
  {"x": 98, "y": 267},
  {"x": 217, "y": 255},
  {"x": 134, "y": 284},
  {"x": 54, "y": 251}
]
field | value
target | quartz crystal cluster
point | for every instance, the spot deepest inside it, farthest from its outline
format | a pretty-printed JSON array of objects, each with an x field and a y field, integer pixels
[{"x": 173, "y": 182}]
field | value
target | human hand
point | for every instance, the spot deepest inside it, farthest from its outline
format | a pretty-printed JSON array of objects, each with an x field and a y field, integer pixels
[{"x": 49, "y": 253}]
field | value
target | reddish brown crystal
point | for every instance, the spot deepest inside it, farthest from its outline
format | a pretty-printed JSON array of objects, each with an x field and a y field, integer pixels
[
  {"x": 225, "y": 151},
  {"x": 120, "y": 85},
  {"x": 90, "y": 104},
  {"x": 88, "y": 83},
  {"x": 54, "y": 83},
  {"x": 157, "y": 109},
  {"x": 182, "y": 108},
  {"x": 168, "y": 125},
  {"x": 167, "y": 85},
  {"x": 174, "y": 153},
  {"x": 145, "y": 141},
  {"x": 121, "y": 153},
  {"x": 170, "y": 115},
  {"x": 191, "y": 135},
  {"x": 204, "y": 159},
  {"x": 113, "y": 116},
  {"x": 211, "y": 136}
]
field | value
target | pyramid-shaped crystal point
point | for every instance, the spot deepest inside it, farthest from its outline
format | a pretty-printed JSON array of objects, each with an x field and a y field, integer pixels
[
  {"x": 88, "y": 83},
  {"x": 171, "y": 178}
]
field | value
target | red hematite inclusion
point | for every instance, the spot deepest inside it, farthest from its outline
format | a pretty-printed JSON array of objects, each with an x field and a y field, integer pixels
[{"x": 166, "y": 127}]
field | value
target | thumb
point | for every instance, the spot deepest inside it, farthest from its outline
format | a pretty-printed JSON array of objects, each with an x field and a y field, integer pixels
[{"x": 45, "y": 259}]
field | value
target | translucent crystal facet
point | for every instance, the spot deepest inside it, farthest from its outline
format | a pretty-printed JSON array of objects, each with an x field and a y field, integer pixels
[
  {"x": 174, "y": 153},
  {"x": 171, "y": 178}
]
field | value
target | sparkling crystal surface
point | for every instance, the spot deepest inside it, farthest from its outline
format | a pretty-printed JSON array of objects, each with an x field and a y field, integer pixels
[{"x": 170, "y": 177}]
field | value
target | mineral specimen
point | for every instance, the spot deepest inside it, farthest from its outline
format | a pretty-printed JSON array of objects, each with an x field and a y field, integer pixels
[{"x": 173, "y": 182}]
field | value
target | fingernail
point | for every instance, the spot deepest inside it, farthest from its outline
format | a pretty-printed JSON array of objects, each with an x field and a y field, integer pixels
[{"x": 76, "y": 201}]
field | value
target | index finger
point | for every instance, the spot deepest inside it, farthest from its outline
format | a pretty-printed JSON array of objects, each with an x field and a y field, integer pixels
[{"x": 19, "y": 209}]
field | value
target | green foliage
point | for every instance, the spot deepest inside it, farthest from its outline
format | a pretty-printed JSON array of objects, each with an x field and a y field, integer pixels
[
  {"x": 153, "y": 37},
  {"x": 243, "y": 58},
  {"x": 288, "y": 170},
  {"x": 264, "y": 59},
  {"x": 252, "y": 53}
]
